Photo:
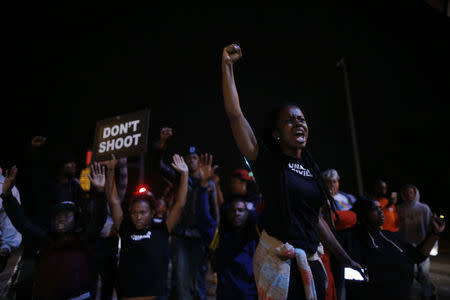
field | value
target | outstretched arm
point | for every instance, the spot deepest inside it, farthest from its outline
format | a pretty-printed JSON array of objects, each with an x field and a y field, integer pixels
[
  {"x": 180, "y": 198},
  {"x": 329, "y": 241},
  {"x": 112, "y": 195},
  {"x": 219, "y": 193},
  {"x": 95, "y": 212},
  {"x": 242, "y": 132},
  {"x": 208, "y": 224}
]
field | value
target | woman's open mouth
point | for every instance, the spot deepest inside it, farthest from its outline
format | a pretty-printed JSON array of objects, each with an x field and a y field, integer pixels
[{"x": 300, "y": 135}]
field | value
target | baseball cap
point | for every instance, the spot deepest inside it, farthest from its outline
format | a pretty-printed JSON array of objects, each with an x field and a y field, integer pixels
[
  {"x": 191, "y": 150},
  {"x": 242, "y": 174},
  {"x": 65, "y": 205}
]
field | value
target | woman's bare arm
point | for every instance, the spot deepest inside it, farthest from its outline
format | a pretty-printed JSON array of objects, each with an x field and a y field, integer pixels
[{"x": 242, "y": 132}]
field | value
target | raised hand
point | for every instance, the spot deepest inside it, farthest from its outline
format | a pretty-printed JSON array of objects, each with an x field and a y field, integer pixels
[
  {"x": 231, "y": 54},
  {"x": 97, "y": 176},
  {"x": 38, "y": 141},
  {"x": 206, "y": 169},
  {"x": 437, "y": 223},
  {"x": 10, "y": 179},
  {"x": 179, "y": 165}
]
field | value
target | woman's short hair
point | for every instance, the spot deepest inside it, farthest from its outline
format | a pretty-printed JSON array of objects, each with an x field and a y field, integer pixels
[
  {"x": 330, "y": 174},
  {"x": 146, "y": 197}
]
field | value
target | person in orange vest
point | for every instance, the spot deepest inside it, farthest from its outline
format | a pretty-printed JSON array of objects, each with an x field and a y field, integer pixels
[{"x": 391, "y": 221}]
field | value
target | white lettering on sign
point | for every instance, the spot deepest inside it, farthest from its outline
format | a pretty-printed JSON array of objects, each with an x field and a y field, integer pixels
[
  {"x": 136, "y": 138},
  {"x": 120, "y": 142},
  {"x": 135, "y": 124},
  {"x": 120, "y": 129},
  {"x": 115, "y": 130},
  {"x": 106, "y": 132},
  {"x": 128, "y": 141}
]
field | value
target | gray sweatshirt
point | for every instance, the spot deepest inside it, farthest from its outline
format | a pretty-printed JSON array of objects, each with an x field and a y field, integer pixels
[{"x": 415, "y": 220}]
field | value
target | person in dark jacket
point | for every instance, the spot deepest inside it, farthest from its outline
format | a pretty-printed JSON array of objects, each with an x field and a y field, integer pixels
[
  {"x": 389, "y": 259},
  {"x": 189, "y": 252},
  {"x": 63, "y": 260}
]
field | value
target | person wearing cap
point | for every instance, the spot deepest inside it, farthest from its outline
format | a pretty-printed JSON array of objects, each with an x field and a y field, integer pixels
[
  {"x": 144, "y": 254},
  {"x": 46, "y": 181},
  {"x": 50, "y": 180},
  {"x": 62, "y": 255},
  {"x": 188, "y": 249},
  {"x": 244, "y": 186},
  {"x": 237, "y": 240}
]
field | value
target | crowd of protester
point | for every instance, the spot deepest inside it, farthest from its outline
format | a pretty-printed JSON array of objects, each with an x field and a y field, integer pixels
[{"x": 285, "y": 231}]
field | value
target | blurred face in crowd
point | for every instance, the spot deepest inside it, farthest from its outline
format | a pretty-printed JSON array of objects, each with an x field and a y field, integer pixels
[
  {"x": 65, "y": 221},
  {"x": 375, "y": 216},
  {"x": 69, "y": 169},
  {"x": 381, "y": 189},
  {"x": 192, "y": 161},
  {"x": 238, "y": 187},
  {"x": 292, "y": 129},
  {"x": 333, "y": 185},
  {"x": 409, "y": 194},
  {"x": 141, "y": 214},
  {"x": 161, "y": 208},
  {"x": 238, "y": 214}
]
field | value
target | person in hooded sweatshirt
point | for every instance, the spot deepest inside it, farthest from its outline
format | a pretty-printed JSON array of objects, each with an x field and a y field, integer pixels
[
  {"x": 389, "y": 259},
  {"x": 415, "y": 223}
]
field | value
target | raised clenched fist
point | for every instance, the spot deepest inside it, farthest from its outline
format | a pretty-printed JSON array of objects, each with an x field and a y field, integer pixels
[
  {"x": 231, "y": 54},
  {"x": 165, "y": 133}
]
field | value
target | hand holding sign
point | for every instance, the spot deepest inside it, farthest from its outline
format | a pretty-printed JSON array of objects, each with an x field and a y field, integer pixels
[
  {"x": 164, "y": 135},
  {"x": 112, "y": 163},
  {"x": 38, "y": 141}
]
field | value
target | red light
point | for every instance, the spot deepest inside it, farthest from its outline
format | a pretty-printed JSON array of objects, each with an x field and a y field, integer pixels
[
  {"x": 142, "y": 190},
  {"x": 88, "y": 157}
]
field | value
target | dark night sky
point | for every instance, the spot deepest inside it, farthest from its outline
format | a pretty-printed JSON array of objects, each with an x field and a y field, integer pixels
[{"x": 69, "y": 66}]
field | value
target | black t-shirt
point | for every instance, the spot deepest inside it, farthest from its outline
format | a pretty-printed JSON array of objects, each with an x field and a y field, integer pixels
[
  {"x": 144, "y": 259},
  {"x": 292, "y": 199},
  {"x": 390, "y": 267}
]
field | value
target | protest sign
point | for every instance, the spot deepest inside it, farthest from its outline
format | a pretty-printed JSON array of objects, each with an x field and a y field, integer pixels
[{"x": 123, "y": 136}]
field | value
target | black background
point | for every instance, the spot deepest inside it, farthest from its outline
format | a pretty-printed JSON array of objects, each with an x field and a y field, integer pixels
[{"x": 69, "y": 65}]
